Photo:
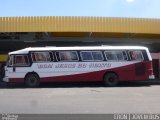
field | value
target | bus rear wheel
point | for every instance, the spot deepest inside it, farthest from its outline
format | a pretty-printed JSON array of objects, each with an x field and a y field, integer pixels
[
  {"x": 111, "y": 80},
  {"x": 32, "y": 80}
]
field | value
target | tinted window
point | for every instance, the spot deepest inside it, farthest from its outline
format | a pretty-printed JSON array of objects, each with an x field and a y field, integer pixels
[
  {"x": 125, "y": 55},
  {"x": 97, "y": 55},
  {"x": 41, "y": 56},
  {"x": 114, "y": 55},
  {"x": 68, "y": 56},
  {"x": 136, "y": 55},
  {"x": 119, "y": 55},
  {"x": 86, "y": 55},
  {"x": 91, "y": 55},
  {"x": 21, "y": 60}
]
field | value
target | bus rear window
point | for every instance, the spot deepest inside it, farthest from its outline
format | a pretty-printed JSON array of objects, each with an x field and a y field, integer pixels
[
  {"x": 136, "y": 55},
  {"x": 21, "y": 60},
  {"x": 40, "y": 56}
]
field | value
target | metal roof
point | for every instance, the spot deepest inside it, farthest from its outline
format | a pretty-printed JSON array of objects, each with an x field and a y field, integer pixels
[
  {"x": 79, "y": 24},
  {"x": 26, "y": 50}
]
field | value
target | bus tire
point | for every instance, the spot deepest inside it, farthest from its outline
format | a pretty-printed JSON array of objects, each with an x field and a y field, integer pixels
[
  {"x": 32, "y": 80},
  {"x": 111, "y": 80}
]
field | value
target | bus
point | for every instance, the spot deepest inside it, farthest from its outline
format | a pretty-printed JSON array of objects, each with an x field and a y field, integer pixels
[{"x": 108, "y": 64}]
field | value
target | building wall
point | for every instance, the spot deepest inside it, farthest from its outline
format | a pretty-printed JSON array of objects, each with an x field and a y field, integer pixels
[{"x": 155, "y": 56}]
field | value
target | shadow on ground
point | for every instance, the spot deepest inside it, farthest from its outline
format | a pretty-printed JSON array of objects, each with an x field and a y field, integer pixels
[{"x": 83, "y": 84}]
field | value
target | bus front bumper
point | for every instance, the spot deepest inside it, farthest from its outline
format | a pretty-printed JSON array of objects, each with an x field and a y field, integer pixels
[
  {"x": 151, "y": 77},
  {"x": 5, "y": 79}
]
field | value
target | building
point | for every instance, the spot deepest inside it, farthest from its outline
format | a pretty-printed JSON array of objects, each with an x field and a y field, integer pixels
[{"x": 20, "y": 32}]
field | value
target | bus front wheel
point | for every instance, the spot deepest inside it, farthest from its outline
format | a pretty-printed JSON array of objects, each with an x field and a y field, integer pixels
[
  {"x": 32, "y": 80},
  {"x": 111, "y": 80}
]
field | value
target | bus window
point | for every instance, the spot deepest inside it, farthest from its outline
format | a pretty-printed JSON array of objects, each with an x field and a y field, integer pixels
[
  {"x": 114, "y": 55},
  {"x": 119, "y": 55},
  {"x": 97, "y": 55},
  {"x": 21, "y": 60},
  {"x": 40, "y": 56},
  {"x": 136, "y": 55},
  {"x": 86, "y": 55},
  {"x": 91, "y": 55},
  {"x": 68, "y": 56},
  {"x": 125, "y": 55}
]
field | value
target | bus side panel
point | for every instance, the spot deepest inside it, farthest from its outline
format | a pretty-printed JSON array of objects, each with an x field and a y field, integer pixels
[
  {"x": 90, "y": 76},
  {"x": 16, "y": 80},
  {"x": 137, "y": 71},
  {"x": 125, "y": 73},
  {"x": 17, "y": 74},
  {"x": 143, "y": 70}
]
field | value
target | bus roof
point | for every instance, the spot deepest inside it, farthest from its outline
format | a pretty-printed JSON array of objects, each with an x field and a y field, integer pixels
[{"x": 27, "y": 50}]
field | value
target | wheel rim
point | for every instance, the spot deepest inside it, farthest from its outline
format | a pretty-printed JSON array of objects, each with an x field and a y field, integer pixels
[
  {"x": 111, "y": 80},
  {"x": 32, "y": 80}
]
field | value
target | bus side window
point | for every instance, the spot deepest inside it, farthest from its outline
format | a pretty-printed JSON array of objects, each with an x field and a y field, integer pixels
[
  {"x": 97, "y": 55},
  {"x": 21, "y": 60},
  {"x": 52, "y": 54},
  {"x": 111, "y": 56},
  {"x": 119, "y": 55},
  {"x": 68, "y": 56},
  {"x": 40, "y": 56},
  {"x": 91, "y": 56},
  {"x": 136, "y": 55},
  {"x": 33, "y": 57},
  {"x": 114, "y": 55},
  {"x": 125, "y": 55},
  {"x": 145, "y": 56},
  {"x": 57, "y": 56},
  {"x": 86, "y": 55}
]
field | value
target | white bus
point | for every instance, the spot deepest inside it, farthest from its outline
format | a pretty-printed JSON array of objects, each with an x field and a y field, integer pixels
[{"x": 109, "y": 64}]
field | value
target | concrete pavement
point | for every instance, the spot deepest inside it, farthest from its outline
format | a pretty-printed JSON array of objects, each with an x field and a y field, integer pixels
[{"x": 82, "y": 98}]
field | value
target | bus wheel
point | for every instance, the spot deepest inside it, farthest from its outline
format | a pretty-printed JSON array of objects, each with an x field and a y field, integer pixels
[
  {"x": 111, "y": 80},
  {"x": 32, "y": 80}
]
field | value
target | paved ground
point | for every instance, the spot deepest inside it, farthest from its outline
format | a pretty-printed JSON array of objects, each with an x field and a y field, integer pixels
[{"x": 138, "y": 97}]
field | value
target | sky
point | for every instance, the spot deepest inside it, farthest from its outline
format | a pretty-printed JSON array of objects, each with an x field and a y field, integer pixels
[{"x": 105, "y": 8}]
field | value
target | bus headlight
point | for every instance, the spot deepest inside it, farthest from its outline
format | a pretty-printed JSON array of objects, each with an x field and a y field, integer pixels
[{"x": 5, "y": 79}]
